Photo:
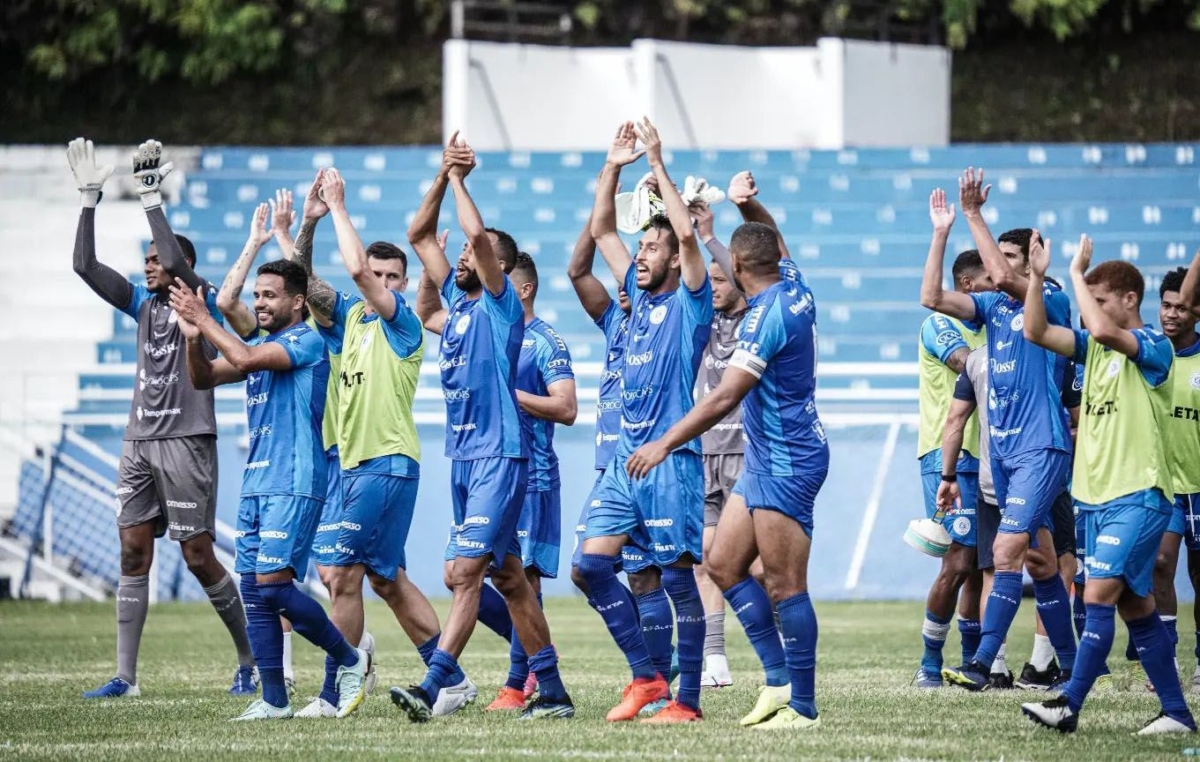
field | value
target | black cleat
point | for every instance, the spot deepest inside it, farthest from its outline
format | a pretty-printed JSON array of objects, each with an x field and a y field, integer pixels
[
  {"x": 1052, "y": 714},
  {"x": 414, "y": 702},
  {"x": 1038, "y": 680}
]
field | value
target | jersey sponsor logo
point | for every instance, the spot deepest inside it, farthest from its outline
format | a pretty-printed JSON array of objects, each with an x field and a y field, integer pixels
[
  {"x": 611, "y": 375},
  {"x": 658, "y": 314},
  {"x": 631, "y": 395},
  {"x": 1002, "y": 345},
  {"x": 460, "y": 325},
  {"x": 1186, "y": 413},
  {"x": 1015, "y": 501},
  {"x": 527, "y": 343},
  {"x": 479, "y": 520},
  {"x": 638, "y": 426},
  {"x": 605, "y": 406},
  {"x": 1018, "y": 321},
  {"x": 946, "y": 338},
  {"x": 727, "y": 427},
  {"x": 1077, "y": 384},
  {"x": 1000, "y": 368},
  {"x": 1101, "y": 408},
  {"x": 459, "y": 428},
  {"x": 274, "y": 534},
  {"x": 659, "y": 523},
  {"x": 1108, "y": 539},
  {"x": 158, "y": 352},
  {"x": 562, "y": 362},
  {"x": 257, "y": 399},
  {"x": 801, "y": 305},
  {"x": 351, "y": 526},
  {"x": 124, "y": 491},
  {"x": 270, "y": 560},
  {"x": 142, "y": 412},
  {"x": 640, "y": 359},
  {"x": 751, "y": 323},
  {"x": 258, "y": 464},
  {"x": 351, "y": 380},
  {"x": 1114, "y": 367},
  {"x": 456, "y": 395},
  {"x": 156, "y": 381},
  {"x": 180, "y": 504},
  {"x": 1003, "y": 433},
  {"x": 260, "y": 431},
  {"x": 457, "y": 362},
  {"x": 328, "y": 527}
]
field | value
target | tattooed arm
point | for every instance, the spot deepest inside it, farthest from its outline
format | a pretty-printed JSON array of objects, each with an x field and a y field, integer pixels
[
  {"x": 321, "y": 296},
  {"x": 229, "y": 298}
]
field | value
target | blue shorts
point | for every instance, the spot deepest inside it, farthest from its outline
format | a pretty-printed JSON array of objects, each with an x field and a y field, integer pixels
[
  {"x": 632, "y": 561},
  {"x": 793, "y": 496},
  {"x": 1080, "y": 543},
  {"x": 275, "y": 532},
  {"x": 325, "y": 541},
  {"x": 960, "y": 520},
  {"x": 1026, "y": 487},
  {"x": 1123, "y": 537},
  {"x": 539, "y": 531},
  {"x": 663, "y": 514},
  {"x": 380, "y": 496},
  {"x": 1184, "y": 518},
  {"x": 488, "y": 496}
]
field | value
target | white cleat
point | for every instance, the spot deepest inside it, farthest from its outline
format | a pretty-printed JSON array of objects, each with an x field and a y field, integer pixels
[
  {"x": 1052, "y": 714},
  {"x": 1196, "y": 679},
  {"x": 261, "y": 710},
  {"x": 455, "y": 697},
  {"x": 1164, "y": 724},
  {"x": 318, "y": 708},
  {"x": 716, "y": 672},
  {"x": 368, "y": 644},
  {"x": 351, "y": 685}
]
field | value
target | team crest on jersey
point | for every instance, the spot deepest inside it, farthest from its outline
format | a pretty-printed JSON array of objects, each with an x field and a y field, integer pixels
[
  {"x": 1114, "y": 367},
  {"x": 460, "y": 327},
  {"x": 1018, "y": 321},
  {"x": 658, "y": 314},
  {"x": 962, "y": 525},
  {"x": 173, "y": 317},
  {"x": 366, "y": 341},
  {"x": 1196, "y": 380}
]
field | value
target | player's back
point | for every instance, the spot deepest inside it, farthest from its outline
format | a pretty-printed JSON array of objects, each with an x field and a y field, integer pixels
[
  {"x": 615, "y": 325},
  {"x": 778, "y": 343},
  {"x": 544, "y": 360},
  {"x": 480, "y": 349},
  {"x": 667, "y": 334},
  {"x": 284, "y": 410},
  {"x": 725, "y": 437},
  {"x": 941, "y": 336}
]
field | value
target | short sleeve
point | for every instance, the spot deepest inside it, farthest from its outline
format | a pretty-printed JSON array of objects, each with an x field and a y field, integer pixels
[
  {"x": 605, "y": 321},
  {"x": 341, "y": 307},
  {"x": 553, "y": 357},
  {"x": 762, "y": 336},
  {"x": 790, "y": 271},
  {"x": 333, "y": 336},
  {"x": 1081, "y": 346},
  {"x": 983, "y": 304},
  {"x": 964, "y": 390},
  {"x": 697, "y": 304},
  {"x": 1058, "y": 307},
  {"x": 450, "y": 290},
  {"x": 304, "y": 347},
  {"x": 1155, "y": 355},
  {"x": 139, "y": 295},
  {"x": 404, "y": 331},
  {"x": 941, "y": 337},
  {"x": 504, "y": 306}
]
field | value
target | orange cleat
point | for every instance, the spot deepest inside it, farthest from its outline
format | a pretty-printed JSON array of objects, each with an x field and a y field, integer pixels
[
  {"x": 507, "y": 698},
  {"x": 636, "y": 695},
  {"x": 674, "y": 713}
]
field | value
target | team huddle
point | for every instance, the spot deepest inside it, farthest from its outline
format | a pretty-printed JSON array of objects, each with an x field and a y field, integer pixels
[
  {"x": 1069, "y": 453},
  {"x": 334, "y": 459}
]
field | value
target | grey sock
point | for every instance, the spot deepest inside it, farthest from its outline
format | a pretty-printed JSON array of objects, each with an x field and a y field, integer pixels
[
  {"x": 714, "y": 633},
  {"x": 133, "y": 599},
  {"x": 225, "y": 599}
]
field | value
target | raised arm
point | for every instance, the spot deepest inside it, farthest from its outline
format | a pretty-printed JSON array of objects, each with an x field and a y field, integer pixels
[
  {"x": 321, "y": 296},
  {"x": 933, "y": 295},
  {"x": 108, "y": 284},
  {"x": 1100, "y": 326},
  {"x": 559, "y": 405},
  {"x": 203, "y": 372},
  {"x": 189, "y": 305},
  {"x": 703, "y": 215},
  {"x": 1188, "y": 291},
  {"x": 621, "y": 153},
  {"x": 972, "y": 195},
  {"x": 283, "y": 216},
  {"x": 591, "y": 292},
  {"x": 149, "y": 171},
  {"x": 692, "y": 269},
  {"x": 422, "y": 233},
  {"x": 429, "y": 306},
  {"x": 488, "y": 266},
  {"x": 229, "y": 297},
  {"x": 742, "y": 192},
  {"x": 376, "y": 294},
  {"x": 1037, "y": 328}
]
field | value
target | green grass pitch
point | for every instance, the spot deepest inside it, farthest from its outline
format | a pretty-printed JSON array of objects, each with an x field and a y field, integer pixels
[{"x": 866, "y": 655}]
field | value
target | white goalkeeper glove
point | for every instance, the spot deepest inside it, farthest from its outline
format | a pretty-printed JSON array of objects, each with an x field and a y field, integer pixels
[
  {"x": 149, "y": 174},
  {"x": 89, "y": 178}
]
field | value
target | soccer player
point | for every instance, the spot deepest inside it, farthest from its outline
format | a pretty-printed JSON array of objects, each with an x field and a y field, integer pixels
[
  {"x": 1122, "y": 476},
  {"x": 773, "y": 375},
  {"x": 663, "y": 517},
  {"x": 546, "y": 396},
  {"x": 168, "y": 474},
  {"x": 480, "y": 350},
  {"x": 1030, "y": 445},
  {"x": 283, "y": 485},
  {"x": 942, "y": 353},
  {"x": 381, "y": 343}
]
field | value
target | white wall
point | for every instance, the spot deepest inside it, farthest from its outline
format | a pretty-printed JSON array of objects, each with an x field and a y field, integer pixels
[{"x": 836, "y": 94}]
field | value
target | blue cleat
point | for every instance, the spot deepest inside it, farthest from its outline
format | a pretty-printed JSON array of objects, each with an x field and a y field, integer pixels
[
  {"x": 653, "y": 708},
  {"x": 115, "y": 688},
  {"x": 973, "y": 676},
  {"x": 245, "y": 682},
  {"x": 923, "y": 679},
  {"x": 674, "y": 666},
  {"x": 544, "y": 708}
]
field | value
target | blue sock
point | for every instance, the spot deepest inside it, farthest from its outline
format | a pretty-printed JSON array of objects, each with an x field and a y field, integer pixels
[
  {"x": 428, "y": 649},
  {"x": 1079, "y": 612},
  {"x": 518, "y": 665},
  {"x": 1131, "y": 653},
  {"x": 998, "y": 617},
  {"x": 493, "y": 612},
  {"x": 1171, "y": 623},
  {"x": 329, "y": 690},
  {"x": 1094, "y": 646},
  {"x": 933, "y": 632},
  {"x": 1196, "y": 652},
  {"x": 658, "y": 628},
  {"x": 612, "y": 603},
  {"x": 266, "y": 642},
  {"x": 680, "y": 584},
  {"x": 1054, "y": 607},
  {"x": 1154, "y": 649},
  {"x": 753, "y": 609},
  {"x": 442, "y": 666},
  {"x": 309, "y": 620},
  {"x": 544, "y": 664},
  {"x": 968, "y": 632},
  {"x": 799, "y": 622}
]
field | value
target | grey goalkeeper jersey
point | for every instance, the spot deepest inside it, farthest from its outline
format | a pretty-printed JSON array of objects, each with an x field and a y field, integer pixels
[
  {"x": 976, "y": 369},
  {"x": 726, "y": 437}
]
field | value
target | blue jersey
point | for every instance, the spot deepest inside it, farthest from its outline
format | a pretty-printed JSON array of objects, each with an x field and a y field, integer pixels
[
  {"x": 667, "y": 335},
  {"x": 1025, "y": 382},
  {"x": 544, "y": 360},
  {"x": 777, "y": 343},
  {"x": 284, "y": 410},
  {"x": 481, "y": 344},
  {"x": 615, "y": 324}
]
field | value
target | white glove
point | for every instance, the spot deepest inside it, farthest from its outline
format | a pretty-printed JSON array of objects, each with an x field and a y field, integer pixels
[
  {"x": 90, "y": 178},
  {"x": 699, "y": 190},
  {"x": 149, "y": 174}
]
